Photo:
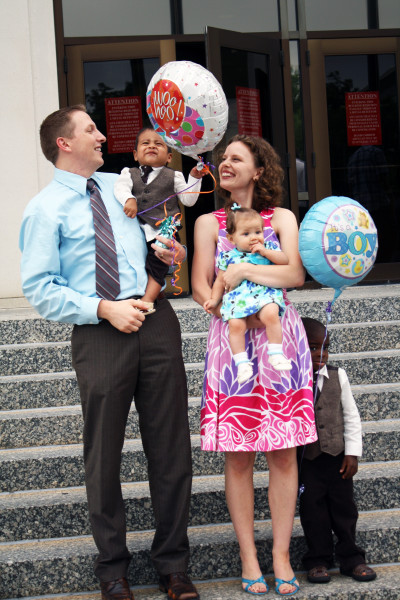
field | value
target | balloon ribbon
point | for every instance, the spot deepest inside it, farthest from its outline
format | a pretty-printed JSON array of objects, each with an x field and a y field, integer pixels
[{"x": 169, "y": 225}]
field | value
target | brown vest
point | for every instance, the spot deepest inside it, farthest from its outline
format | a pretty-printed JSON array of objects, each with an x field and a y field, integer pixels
[
  {"x": 328, "y": 419},
  {"x": 148, "y": 195}
]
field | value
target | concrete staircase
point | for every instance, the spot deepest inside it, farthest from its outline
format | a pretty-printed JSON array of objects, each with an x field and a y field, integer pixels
[{"x": 45, "y": 542}]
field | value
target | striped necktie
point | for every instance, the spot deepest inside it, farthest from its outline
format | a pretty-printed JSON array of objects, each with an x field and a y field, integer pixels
[{"x": 107, "y": 275}]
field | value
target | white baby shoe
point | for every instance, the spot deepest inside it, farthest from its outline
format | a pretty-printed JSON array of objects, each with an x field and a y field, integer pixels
[
  {"x": 245, "y": 371},
  {"x": 279, "y": 362}
]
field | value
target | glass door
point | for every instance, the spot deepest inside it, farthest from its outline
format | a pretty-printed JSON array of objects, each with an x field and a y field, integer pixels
[
  {"x": 355, "y": 119},
  {"x": 249, "y": 68}
]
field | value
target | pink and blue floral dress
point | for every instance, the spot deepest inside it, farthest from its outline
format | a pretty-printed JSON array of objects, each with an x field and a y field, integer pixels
[
  {"x": 274, "y": 409},
  {"x": 248, "y": 297}
]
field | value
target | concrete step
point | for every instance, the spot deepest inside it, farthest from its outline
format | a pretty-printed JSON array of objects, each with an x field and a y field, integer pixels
[
  {"x": 51, "y": 357},
  {"x": 357, "y": 304},
  {"x": 48, "y": 357},
  {"x": 42, "y": 467},
  {"x": 44, "y": 390},
  {"x": 385, "y": 587},
  {"x": 63, "y": 425},
  {"x": 37, "y": 391},
  {"x": 362, "y": 303},
  {"x": 61, "y": 389},
  {"x": 66, "y": 565},
  {"x": 360, "y": 337},
  {"x": 62, "y": 512}
]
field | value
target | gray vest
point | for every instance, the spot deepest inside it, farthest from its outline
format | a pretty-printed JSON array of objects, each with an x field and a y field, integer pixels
[
  {"x": 328, "y": 419},
  {"x": 148, "y": 195}
]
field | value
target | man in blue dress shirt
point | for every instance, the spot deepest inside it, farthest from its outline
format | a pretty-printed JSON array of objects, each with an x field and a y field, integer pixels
[{"x": 118, "y": 353}]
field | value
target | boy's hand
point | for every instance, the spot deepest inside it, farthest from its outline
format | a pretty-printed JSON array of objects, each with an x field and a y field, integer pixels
[
  {"x": 349, "y": 467},
  {"x": 130, "y": 208},
  {"x": 198, "y": 174}
]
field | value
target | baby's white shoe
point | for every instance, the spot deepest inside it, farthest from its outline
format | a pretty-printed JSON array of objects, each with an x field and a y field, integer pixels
[
  {"x": 279, "y": 362},
  {"x": 245, "y": 371}
]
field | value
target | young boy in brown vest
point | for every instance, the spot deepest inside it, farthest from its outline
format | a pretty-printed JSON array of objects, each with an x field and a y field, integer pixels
[
  {"x": 326, "y": 470},
  {"x": 143, "y": 188}
]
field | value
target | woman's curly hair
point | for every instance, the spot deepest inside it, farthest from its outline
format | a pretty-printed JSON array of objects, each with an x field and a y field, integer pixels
[{"x": 268, "y": 189}]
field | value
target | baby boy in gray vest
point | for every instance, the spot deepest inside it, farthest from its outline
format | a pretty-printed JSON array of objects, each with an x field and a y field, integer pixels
[
  {"x": 142, "y": 190},
  {"x": 326, "y": 470}
]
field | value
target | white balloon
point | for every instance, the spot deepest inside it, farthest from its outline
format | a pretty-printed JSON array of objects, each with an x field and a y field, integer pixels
[{"x": 187, "y": 107}]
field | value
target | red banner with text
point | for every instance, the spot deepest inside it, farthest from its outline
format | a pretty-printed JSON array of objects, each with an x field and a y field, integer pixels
[
  {"x": 363, "y": 116},
  {"x": 123, "y": 122},
  {"x": 248, "y": 111}
]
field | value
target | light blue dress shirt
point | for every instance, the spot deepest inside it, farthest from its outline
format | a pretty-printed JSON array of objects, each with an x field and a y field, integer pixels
[{"x": 58, "y": 249}]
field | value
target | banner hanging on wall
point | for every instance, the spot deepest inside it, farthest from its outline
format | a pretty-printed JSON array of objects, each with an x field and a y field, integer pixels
[
  {"x": 363, "y": 117},
  {"x": 248, "y": 111},
  {"x": 123, "y": 123}
]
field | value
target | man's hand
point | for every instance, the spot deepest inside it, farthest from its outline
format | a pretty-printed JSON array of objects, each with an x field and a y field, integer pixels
[
  {"x": 349, "y": 467},
  {"x": 175, "y": 253},
  {"x": 124, "y": 315}
]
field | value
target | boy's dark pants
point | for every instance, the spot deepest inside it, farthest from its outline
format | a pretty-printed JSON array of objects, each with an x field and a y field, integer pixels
[
  {"x": 154, "y": 266},
  {"x": 327, "y": 505}
]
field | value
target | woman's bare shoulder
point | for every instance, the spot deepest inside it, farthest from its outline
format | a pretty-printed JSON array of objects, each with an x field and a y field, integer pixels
[
  {"x": 207, "y": 221},
  {"x": 282, "y": 215}
]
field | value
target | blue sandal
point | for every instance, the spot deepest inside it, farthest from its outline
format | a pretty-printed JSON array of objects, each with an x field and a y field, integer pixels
[
  {"x": 251, "y": 582},
  {"x": 279, "y": 582}
]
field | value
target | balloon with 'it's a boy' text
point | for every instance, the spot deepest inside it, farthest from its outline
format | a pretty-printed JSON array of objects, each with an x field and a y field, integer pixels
[{"x": 338, "y": 242}]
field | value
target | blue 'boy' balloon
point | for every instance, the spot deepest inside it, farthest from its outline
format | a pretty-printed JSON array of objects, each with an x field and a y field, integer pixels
[{"x": 338, "y": 242}]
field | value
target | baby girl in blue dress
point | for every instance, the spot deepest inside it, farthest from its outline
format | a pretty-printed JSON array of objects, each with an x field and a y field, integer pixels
[{"x": 244, "y": 228}]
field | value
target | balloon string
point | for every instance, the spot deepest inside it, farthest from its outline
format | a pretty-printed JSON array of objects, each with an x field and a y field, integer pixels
[
  {"x": 184, "y": 191},
  {"x": 328, "y": 311},
  {"x": 175, "y": 278}
]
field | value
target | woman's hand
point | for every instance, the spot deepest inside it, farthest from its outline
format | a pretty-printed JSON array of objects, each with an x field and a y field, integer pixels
[
  {"x": 234, "y": 276},
  {"x": 275, "y": 275}
]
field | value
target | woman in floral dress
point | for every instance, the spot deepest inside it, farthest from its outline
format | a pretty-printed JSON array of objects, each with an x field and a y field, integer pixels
[{"x": 273, "y": 411}]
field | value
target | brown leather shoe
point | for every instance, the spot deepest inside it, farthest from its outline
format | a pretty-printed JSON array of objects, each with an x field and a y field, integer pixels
[
  {"x": 361, "y": 572},
  {"x": 116, "y": 590},
  {"x": 318, "y": 575},
  {"x": 178, "y": 587}
]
